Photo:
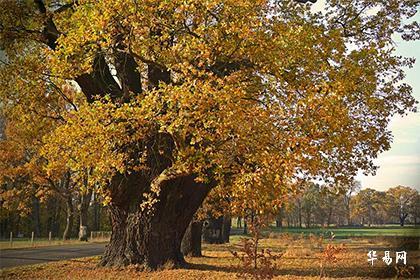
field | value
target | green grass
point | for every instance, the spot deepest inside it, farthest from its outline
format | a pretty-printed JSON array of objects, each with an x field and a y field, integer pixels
[
  {"x": 343, "y": 232},
  {"x": 39, "y": 242},
  {"x": 354, "y": 232}
]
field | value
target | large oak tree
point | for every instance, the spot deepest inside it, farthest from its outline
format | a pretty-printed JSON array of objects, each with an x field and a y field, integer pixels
[{"x": 174, "y": 98}]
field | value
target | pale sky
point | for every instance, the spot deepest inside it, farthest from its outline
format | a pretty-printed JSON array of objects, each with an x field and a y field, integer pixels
[{"x": 401, "y": 164}]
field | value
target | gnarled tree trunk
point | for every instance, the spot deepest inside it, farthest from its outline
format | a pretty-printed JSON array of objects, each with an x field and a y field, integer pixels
[
  {"x": 191, "y": 242},
  {"x": 152, "y": 239}
]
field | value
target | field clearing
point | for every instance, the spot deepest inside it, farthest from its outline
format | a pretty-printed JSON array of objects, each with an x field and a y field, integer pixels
[
  {"x": 354, "y": 232},
  {"x": 339, "y": 233},
  {"x": 300, "y": 260},
  {"x": 20, "y": 243}
]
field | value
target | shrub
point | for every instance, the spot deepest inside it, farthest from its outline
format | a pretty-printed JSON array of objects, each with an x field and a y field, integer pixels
[{"x": 255, "y": 263}]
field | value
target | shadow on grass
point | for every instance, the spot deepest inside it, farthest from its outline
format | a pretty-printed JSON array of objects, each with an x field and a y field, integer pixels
[
  {"x": 209, "y": 267},
  {"x": 344, "y": 272},
  {"x": 336, "y": 272}
]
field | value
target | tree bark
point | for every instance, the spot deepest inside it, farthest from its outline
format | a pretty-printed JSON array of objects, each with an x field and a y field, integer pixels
[
  {"x": 279, "y": 218},
  {"x": 191, "y": 242},
  {"x": 53, "y": 221},
  {"x": 69, "y": 219},
  {"x": 227, "y": 224},
  {"x": 18, "y": 220},
  {"x": 36, "y": 217},
  {"x": 96, "y": 209},
  {"x": 213, "y": 230},
  {"x": 84, "y": 207},
  {"x": 153, "y": 239}
]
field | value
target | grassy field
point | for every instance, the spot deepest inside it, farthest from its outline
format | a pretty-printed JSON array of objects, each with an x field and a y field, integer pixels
[
  {"x": 39, "y": 242},
  {"x": 355, "y": 232},
  {"x": 300, "y": 259},
  {"x": 339, "y": 233}
]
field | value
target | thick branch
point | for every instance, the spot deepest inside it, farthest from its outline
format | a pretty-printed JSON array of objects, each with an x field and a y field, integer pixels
[
  {"x": 100, "y": 81},
  {"x": 128, "y": 74}
]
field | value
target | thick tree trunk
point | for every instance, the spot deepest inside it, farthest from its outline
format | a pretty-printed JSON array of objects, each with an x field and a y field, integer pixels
[
  {"x": 53, "y": 221},
  {"x": 213, "y": 230},
  {"x": 69, "y": 219},
  {"x": 17, "y": 227},
  {"x": 191, "y": 242},
  {"x": 279, "y": 218},
  {"x": 36, "y": 217},
  {"x": 153, "y": 239},
  {"x": 96, "y": 213},
  {"x": 227, "y": 225}
]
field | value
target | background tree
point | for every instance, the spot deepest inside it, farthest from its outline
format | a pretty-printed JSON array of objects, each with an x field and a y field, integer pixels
[
  {"x": 415, "y": 209},
  {"x": 367, "y": 203},
  {"x": 400, "y": 202},
  {"x": 310, "y": 201},
  {"x": 350, "y": 189}
]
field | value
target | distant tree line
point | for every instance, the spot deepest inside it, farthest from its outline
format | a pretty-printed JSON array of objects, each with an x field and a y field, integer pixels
[
  {"x": 62, "y": 217},
  {"x": 316, "y": 205}
]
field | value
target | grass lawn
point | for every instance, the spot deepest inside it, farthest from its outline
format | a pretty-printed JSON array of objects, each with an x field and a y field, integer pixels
[
  {"x": 338, "y": 232},
  {"x": 26, "y": 243},
  {"x": 355, "y": 232},
  {"x": 300, "y": 260}
]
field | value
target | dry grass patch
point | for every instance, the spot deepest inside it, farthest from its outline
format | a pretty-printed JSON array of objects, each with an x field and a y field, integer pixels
[{"x": 300, "y": 261}]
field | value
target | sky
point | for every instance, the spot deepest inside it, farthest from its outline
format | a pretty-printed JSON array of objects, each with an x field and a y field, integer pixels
[{"x": 401, "y": 164}]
